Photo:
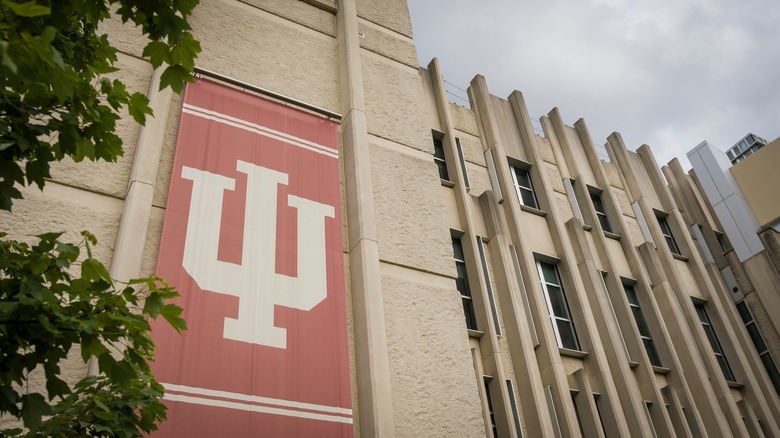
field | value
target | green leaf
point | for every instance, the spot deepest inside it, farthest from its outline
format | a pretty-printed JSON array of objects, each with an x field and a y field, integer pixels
[
  {"x": 29, "y": 9},
  {"x": 175, "y": 76},
  {"x": 139, "y": 107},
  {"x": 33, "y": 408},
  {"x": 93, "y": 270},
  {"x": 157, "y": 52}
]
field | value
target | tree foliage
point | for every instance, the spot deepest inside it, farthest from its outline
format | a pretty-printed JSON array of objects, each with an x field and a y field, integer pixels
[
  {"x": 45, "y": 311},
  {"x": 56, "y": 102}
]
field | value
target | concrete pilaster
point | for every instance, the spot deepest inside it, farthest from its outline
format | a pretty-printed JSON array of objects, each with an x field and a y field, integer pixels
[{"x": 375, "y": 405}]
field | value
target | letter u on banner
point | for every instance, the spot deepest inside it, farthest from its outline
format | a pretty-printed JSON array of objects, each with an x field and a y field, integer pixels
[{"x": 252, "y": 239}]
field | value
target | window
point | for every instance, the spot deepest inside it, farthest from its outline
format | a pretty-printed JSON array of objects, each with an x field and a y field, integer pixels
[
  {"x": 557, "y": 306},
  {"x": 710, "y": 331},
  {"x": 648, "y": 406},
  {"x": 463, "y": 284},
  {"x": 758, "y": 341},
  {"x": 515, "y": 414},
  {"x": 438, "y": 158},
  {"x": 667, "y": 232},
  {"x": 601, "y": 213},
  {"x": 488, "y": 285},
  {"x": 641, "y": 324},
  {"x": 577, "y": 411},
  {"x": 525, "y": 190},
  {"x": 494, "y": 432},
  {"x": 462, "y": 162}
]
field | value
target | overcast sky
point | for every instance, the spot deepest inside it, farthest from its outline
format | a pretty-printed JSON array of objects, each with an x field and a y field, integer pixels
[{"x": 668, "y": 73}]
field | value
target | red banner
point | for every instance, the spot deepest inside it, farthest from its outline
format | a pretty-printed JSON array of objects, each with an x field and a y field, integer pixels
[{"x": 252, "y": 240}]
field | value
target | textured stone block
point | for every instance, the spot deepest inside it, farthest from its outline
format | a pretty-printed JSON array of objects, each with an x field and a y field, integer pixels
[
  {"x": 613, "y": 174},
  {"x": 463, "y": 119},
  {"x": 433, "y": 380},
  {"x": 546, "y": 149},
  {"x": 382, "y": 42},
  {"x": 410, "y": 215},
  {"x": 392, "y": 14},
  {"x": 395, "y": 103},
  {"x": 267, "y": 51}
]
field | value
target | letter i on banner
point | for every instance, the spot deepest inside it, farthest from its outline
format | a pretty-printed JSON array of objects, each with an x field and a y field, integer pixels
[{"x": 252, "y": 240}]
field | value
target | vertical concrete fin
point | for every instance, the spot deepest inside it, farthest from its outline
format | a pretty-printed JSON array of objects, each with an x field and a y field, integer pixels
[
  {"x": 375, "y": 404},
  {"x": 618, "y": 153},
  {"x": 134, "y": 222}
]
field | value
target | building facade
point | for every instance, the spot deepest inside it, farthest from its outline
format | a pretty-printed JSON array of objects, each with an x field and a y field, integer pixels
[{"x": 499, "y": 282}]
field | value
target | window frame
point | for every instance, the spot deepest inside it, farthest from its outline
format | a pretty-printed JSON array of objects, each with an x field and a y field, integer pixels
[
  {"x": 755, "y": 335},
  {"x": 666, "y": 231},
  {"x": 709, "y": 331},
  {"x": 601, "y": 215},
  {"x": 439, "y": 156},
  {"x": 516, "y": 166},
  {"x": 467, "y": 300},
  {"x": 564, "y": 305},
  {"x": 647, "y": 339}
]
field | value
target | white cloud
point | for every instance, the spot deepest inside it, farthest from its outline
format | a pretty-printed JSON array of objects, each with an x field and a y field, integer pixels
[{"x": 664, "y": 72}]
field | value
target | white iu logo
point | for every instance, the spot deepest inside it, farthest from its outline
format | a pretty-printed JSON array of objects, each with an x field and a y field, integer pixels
[{"x": 255, "y": 282}]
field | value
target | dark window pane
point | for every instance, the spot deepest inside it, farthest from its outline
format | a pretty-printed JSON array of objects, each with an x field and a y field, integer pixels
[
  {"x": 605, "y": 223},
  {"x": 652, "y": 353},
  {"x": 528, "y": 198},
  {"x": 631, "y": 295},
  {"x": 641, "y": 324},
  {"x": 468, "y": 310},
  {"x": 724, "y": 366},
  {"x": 457, "y": 248},
  {"x": 757, "y": 339},
  {"x": 771, "y": 369},
  {"x": 522, "y": 177},
  {"x": 438, "y": 148},
  {"x": 557, "y": 301},
  {"x": 443, "y": 174},
  {"x": 568, "y": 337},
  {"x": 550, "y": 276},
  {"x": 744, "y": 312}
]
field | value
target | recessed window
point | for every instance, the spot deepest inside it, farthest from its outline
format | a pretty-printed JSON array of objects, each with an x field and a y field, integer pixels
[
  {"x": 758, "y": 341},
  {"x": 438, "y": 158},
  {"x": 493, "y": 430},
  {"x": 601, "y": 212},
  {"x": 713, "y": 338},
  {"x": 523, "y": 186},
  {"x": 641, "y": 324},
  {"x": 462, "y": 162},
  {"x": 557, "y": 306},
  {"x": 515, "y": 414},
  {"x": 667, "y": 232},
  {"x": 463, "y": 284}
]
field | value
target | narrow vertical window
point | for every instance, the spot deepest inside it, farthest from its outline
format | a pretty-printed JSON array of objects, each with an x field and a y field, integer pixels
[
  {"x": 641, "y": 324},
  {"x": 462, "y": 162},
  {"x": 557, "y": 306},
  {"x": 463, "y": 284},
  {"x": 515, "y": 413},
  {"x": 494, "y": 431},
  {"x": 667, "y": 232},
  {"x": 438, "y": 158},
  {"x": 758, "y": 341},
  {"x": 601, "y": 212},
  {"x": 523, "y": 186},
  {"x": 488, "y": 285},
  {"x": 716, "y": 348},
  {"x": 648, "y": 404},
  {"x": 577, "y": 411}
]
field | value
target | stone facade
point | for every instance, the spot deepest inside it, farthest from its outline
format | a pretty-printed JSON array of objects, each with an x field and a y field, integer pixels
[{"x": 417, "y": 369}]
